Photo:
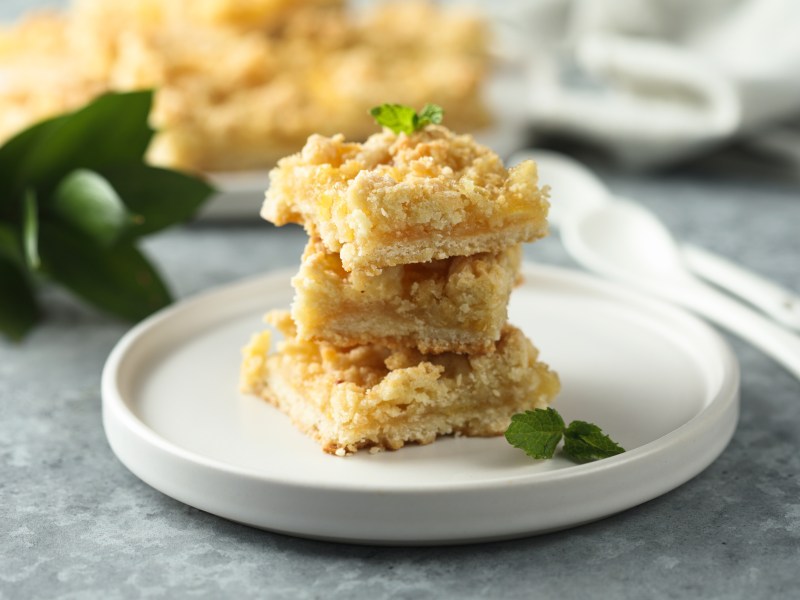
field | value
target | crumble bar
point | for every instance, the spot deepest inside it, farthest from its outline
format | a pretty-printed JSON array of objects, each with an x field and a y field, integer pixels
[
  {"x": 454, "y": 304},
  {"x": 374, "y": 397},
  {"x": 290, "y": 68},
  {"x": 240, "y": 15},
  {"x": 400, "y": 199}
]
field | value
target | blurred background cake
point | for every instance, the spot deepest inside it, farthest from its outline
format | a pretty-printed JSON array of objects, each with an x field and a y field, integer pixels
[{"x": 241, "y": 83}]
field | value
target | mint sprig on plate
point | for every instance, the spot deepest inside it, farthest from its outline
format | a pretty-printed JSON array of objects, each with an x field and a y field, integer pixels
[
  {"x": 538, "y": 433},
  {"x": 404, "y": 119},
  {"x": 75, "y": 197}
]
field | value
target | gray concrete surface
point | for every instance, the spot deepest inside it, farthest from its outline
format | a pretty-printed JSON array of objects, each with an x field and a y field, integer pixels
[{"x": 74, "y": 523}]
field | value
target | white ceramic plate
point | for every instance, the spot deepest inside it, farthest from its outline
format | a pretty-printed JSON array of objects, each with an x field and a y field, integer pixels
[{"x": 659, "y": 381}]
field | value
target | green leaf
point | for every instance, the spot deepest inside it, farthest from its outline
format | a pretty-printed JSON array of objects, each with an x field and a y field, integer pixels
[
  {"x": 11, "y": 246},
  {"x": 398, "y": 118},
  {"x": 89, "y": 204},
  {"x": 30, "y": 229},
  {"x": 431, "y": 113},
  {"x": 19, "y": 311},
  {"x": 111, "y": 130},
  {"x": 537, "y": 432},
  {"x": 585, "y": 442},
  {"x": 118, "y": 279},
  {"x": 404, "y": 119},
  {"x": 16, "y": 151},
  {"x": 157, "y": 198}
]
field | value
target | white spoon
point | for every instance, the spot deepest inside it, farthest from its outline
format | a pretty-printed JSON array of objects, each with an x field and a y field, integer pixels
[
  {"x": 622, "y": 240},
  {"x": 577, "y": 189}
]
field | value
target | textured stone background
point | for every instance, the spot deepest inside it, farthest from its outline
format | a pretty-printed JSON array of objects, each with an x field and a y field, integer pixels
[{"x": 74, "y": 523}]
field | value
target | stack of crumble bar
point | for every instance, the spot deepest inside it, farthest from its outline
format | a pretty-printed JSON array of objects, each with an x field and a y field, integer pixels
[{"x": 398, "y": 330}]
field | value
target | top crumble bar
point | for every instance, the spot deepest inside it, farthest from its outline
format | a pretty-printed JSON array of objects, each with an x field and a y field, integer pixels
[{"x": 400, "y": 199}]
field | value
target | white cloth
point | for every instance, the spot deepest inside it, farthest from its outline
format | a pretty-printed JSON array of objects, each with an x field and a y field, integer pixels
[{"x": 656, "y": 81}]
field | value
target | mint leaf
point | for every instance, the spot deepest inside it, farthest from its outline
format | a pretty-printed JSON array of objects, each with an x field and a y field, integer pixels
[
  {"x": 398, "y": 118},
  {"x": 537, "y": 432},
  {"x": 431, "y": 113},
  {"x": 87, "y": 202},
  {"x": 404, "y": 119},
  {"x": 118, "y": 279},
  {"x": 30, "y": 229},
  {"x": 585, "y": 442}
]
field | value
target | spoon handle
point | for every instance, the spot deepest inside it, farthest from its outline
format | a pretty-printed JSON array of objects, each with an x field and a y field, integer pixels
[
  {"x": 739, "y": 319},
  {"x": 779, "y": 303}
]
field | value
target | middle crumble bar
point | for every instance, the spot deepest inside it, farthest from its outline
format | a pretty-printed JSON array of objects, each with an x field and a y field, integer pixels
[{"x": 456, "y": 304}]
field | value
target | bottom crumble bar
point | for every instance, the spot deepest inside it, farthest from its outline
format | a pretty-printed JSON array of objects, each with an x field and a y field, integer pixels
[{"x": 371, "y": 396}]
